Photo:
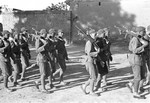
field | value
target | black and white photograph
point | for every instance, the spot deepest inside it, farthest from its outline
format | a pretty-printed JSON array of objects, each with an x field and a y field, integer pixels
[{"x": 74, "y": 51}]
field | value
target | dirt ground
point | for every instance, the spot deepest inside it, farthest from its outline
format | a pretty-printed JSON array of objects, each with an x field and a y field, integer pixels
[{"x": 119, "y": 74}]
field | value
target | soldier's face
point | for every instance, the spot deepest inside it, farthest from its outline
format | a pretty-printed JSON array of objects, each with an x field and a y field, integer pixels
[
  {"x": 142, "y": 33},
  {"x": 60, "y": 34},
  {"x": 50, "y": 35},
  {"x": 16, "y": 36},
  {"x": 24, "y": 32},
  {"x": 6, "y": 36},
  {"x": 43, "y": 35}
]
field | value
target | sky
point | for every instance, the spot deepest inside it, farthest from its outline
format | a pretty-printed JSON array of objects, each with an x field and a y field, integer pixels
[{"x": 29, "y": 4}]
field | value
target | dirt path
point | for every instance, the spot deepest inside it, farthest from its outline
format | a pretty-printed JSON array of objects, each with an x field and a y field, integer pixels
[{"x": 120, "y": 73}]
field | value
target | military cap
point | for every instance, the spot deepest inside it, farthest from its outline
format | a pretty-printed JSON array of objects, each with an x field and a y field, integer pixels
[
  {"x": 15, "y": 33},
  {"x": 60, "y": 30},
  {"x": 43, "y": 31},
  {"x": 5, "y": 32},
  {"x": 91, "y": 31},
  {"x": 23, "y": 29},
  {"x": 51, "y": 31},
  {"x": 106, "y": 29},
  {"x": 100, "y": 31},
  {"x": 140, "y": 28}
]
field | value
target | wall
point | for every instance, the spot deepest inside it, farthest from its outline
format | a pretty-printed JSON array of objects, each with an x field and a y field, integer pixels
[{"x": 36, "y": 19}]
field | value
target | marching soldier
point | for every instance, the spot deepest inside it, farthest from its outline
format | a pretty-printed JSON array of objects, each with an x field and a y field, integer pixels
[
  {"x": 147, "y": 53},
  {"x": 91, "y": 54},
  {"x": 107, "y": 46},
  {"x": 102, "y": 69},
  {"x": 107, "y": 52},
  {"x": 25, "y": 52},
  {"x": 5, "y": 55},
  {"x": 17, "y": 66},
  {"x": 52, "y": 46},
  {"x": 43, "y": 60},
  {"x": 61, "y": 56},
  {"x": 136, "y": 47}
]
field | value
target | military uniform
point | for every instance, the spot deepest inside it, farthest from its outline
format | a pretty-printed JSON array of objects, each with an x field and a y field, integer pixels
[
  {"x": 52, "y": 49},
  {"x": 17, "y": 66},
  {"x": 42, "y": 57},
  {"x": 61, "y": 53},
  {"x": 25, "y": 52},
  {"x": 5, "y": 55},
  {"x": 90, "y": 60},
  {"x": 147, "y": 54},
  {"x": 136, "y": 61},
  {"x": 103, "y": 70}
]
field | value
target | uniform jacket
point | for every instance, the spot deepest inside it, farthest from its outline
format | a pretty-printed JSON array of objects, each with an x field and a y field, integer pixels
[
  {"x": 42, "y": 50},
  {"x": 5, "y": 51},
  {"x": 61, "y": 49},
  {"x": 90, "y": 52},
  {"x": 136, "y": 49}
]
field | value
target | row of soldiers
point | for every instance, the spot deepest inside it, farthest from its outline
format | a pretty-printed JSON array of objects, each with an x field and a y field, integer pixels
[
  {"x": 15, "y": 55},
  {"x": 97, "y": 59},
  {"x": 98, "y": 55},
  {"x": 51, "y": 51}
]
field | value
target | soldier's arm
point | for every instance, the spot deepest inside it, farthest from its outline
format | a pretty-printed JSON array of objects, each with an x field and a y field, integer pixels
[
  {"x": 135, "y": 47},
  {"x": 38, "y": 48},
  {"x": 88, "y": 48},
  {"x": 5, "y": 46},
  {"x": 66, "y": 54},
  {"x": 12, "y": 56}
]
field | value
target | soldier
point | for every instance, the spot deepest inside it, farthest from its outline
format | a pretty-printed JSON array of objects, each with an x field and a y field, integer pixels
[
  {"x": 5, "y": 55},
  {"x": 91, "y": 54},
  {"x": 52, "y": 44},
  {"x": 107, "y": 51},
  {"x": 17, "y": 54},
  {"x": 102, "y": 69},
  {"x": 24, "y": 31},
  {"x": 147, "y": 52},
  {"x": 25, "y": 52},
  {"x": 42, "y": 60},
  {"x": 61, "y": 56},
  {"x": 108, "y": 44},
  {"x": 52, "y": 53},
  {"x": 136, "y": 61}
]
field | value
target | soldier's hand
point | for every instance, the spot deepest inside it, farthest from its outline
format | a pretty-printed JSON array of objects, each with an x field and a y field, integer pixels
[
  {"x": 111, "y": 58},
  {"x": 67, "y": 58},
  {"x": 14, "y": 61},
  {"x": 94, "y": 54},
  {"x": 29, "y": 56},
  {"x": 45, "y": 43}
]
